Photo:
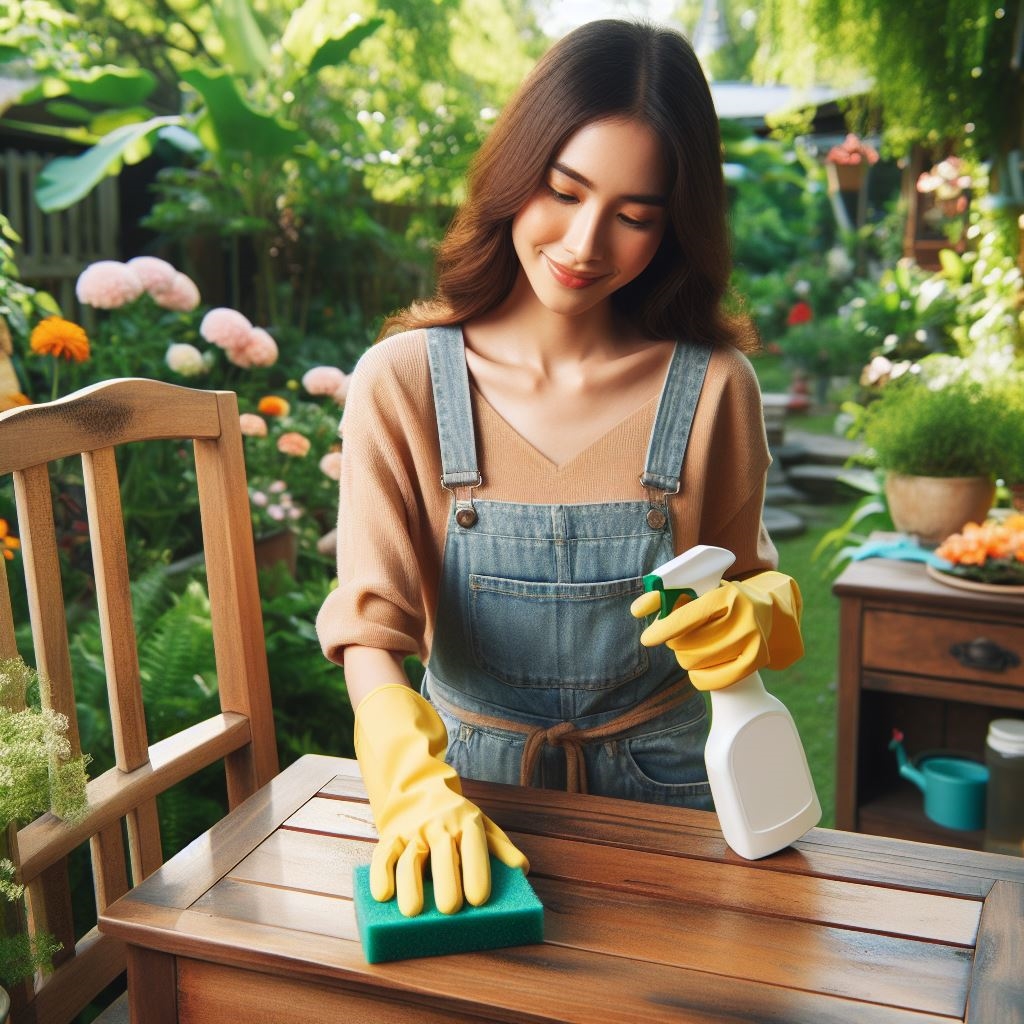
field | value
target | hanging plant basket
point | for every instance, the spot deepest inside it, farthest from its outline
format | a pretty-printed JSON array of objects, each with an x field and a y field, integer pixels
[{"x": 845, "y": 177}]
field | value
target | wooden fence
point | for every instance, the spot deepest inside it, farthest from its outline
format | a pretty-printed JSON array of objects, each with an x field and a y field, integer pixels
[{"x": 56, "y": 247}]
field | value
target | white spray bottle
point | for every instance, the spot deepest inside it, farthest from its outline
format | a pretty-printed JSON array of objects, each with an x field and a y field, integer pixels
[{"x": 763, "y": 791}]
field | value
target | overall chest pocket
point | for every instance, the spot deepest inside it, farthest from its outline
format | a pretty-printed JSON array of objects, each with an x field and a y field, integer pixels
[{"x": 578, "y": 635}]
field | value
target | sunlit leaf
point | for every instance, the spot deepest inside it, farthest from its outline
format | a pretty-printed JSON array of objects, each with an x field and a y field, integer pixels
[
  {"x": 245, "y": 49},
  {"x": 65, "y": 180},
  {"x": 231, "y": 124},
  {"x": 110, "y": 85},
  {"x": 334, "y": 51}
]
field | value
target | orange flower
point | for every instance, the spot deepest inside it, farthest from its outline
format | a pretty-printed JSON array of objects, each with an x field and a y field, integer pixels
[
  {"x": 8, "y": 544},
  {"x": 977, "y": 543},
  {"x": 271, "y": 405},
  {"x": 58, "y": 337}
]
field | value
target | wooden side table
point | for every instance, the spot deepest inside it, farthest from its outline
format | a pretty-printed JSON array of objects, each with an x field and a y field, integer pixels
[{"x": 934, "y": 661}]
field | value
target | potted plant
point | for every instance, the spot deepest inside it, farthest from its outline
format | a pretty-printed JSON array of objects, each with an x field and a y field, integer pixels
[
  {"x": 38, "y": 773},
  {"x": 847, "y": 163},
  {"x": 940, "y": 439}
]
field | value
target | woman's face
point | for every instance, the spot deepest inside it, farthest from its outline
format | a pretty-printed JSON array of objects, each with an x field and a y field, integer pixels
[{"x": 597, "y": 218}]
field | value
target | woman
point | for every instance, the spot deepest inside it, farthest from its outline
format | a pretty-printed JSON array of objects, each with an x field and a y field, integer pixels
[{"x": 569, "y": 411}]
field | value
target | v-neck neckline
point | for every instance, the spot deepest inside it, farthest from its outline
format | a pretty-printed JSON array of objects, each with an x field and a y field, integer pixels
[{"x": 550, "y": 464}]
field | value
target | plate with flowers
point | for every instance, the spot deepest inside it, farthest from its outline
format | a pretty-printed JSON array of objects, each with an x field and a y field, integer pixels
[{"x": 987, "y": 557}]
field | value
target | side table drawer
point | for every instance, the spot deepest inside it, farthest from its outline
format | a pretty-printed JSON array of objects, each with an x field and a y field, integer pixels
[{"x": 950, "y": 648}]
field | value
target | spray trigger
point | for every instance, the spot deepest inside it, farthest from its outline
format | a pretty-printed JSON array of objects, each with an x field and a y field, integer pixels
[{"x": 669, "y": 595}]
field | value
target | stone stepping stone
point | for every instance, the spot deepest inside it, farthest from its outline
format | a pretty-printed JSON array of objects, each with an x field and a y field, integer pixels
[
  {"x": 782, "y": 523},
  {"x": 828, "y": 483}
]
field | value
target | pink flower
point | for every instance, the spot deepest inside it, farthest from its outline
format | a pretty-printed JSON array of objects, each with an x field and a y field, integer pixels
[
  {"x": 293, "y": 443},
  {"x": 259, "y": 350},
  {"x": 330, "y": 465},
  {"x": 226, "y": 328},
  {"x": 252, "y": 425},
  {"x": 324, "y": 380},
  {"x": 108, "y": 284},
  {"x": 183, "y": 296},
  {"x": 258, "y": 498},
  {"x": 156, "y": 275}
]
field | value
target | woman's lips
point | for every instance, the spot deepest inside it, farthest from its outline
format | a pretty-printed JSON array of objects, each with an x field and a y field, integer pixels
[{"x": 568, "y": 278}]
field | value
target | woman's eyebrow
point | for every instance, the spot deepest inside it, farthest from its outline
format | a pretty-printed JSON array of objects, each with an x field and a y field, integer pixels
[{"x": 649, "y": 200}]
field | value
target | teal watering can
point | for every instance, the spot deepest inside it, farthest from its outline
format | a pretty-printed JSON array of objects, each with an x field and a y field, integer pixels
[{"x": 954, "y": 787}]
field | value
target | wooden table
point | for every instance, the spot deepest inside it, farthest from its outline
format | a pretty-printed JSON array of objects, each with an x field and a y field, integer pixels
[{"x": 649, "y": 917}]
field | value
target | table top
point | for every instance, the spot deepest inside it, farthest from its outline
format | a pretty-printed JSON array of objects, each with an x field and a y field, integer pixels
[
  {"x": 649, "y": 916},
  {"x": 894, "y": 579}
]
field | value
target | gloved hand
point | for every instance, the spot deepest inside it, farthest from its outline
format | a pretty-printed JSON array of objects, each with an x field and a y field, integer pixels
[
  {"x": 731, "y": 631},
  {"x": 419, "y": 809}
]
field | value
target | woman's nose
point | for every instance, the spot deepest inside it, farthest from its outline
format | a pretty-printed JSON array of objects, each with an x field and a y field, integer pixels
[{"x": 583, "y": 237}]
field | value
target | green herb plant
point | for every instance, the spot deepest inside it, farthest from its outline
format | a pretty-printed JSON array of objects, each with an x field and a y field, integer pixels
[
  {"x": 919, "y": 429},
  {"x": 38, "y": 773}
]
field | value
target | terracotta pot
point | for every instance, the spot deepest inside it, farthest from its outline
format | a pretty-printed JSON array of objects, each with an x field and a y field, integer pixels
[
  {"x": 930, "y": 508},
  {"x": 272, "y": 548}
]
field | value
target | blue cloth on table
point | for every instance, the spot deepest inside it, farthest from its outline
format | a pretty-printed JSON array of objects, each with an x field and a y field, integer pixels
[{"x": 905, "y": 550}]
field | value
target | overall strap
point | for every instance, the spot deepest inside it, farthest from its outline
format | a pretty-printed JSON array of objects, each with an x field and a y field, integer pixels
[
  {"x": 678, "y": 403},
  {"x": 449, "y": 379}
]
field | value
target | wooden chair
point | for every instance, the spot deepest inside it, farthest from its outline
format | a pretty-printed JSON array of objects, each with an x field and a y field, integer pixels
[{"x": 92, "y": 423}]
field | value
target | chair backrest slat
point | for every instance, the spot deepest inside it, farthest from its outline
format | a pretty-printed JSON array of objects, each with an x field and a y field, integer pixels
[
  {"x": 144, "y": 846},
  {"x": 109, "y": 872},
  {"x": 45, "y": 596},
  {"x": 122, "y": 827},
  {"x": 8, "y": 644},
  {"x": 114, "y": 604}
]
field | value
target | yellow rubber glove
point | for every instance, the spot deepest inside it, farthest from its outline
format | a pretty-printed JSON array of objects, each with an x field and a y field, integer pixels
[
  {"x": 731, "y": 631},
  {"x": 419, "y": 809}
]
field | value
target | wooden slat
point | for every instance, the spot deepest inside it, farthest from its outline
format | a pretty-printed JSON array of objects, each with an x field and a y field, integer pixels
[
  {"x": 45, "y": 598},
  {"x": 112, "y": 794},
  {"x": 48, "y": 897},
  {"x": 185, "y": 877},
  {"x": 144, "y": 840},
  {"x": 105, "y": 414},
  {"x": 109, "y": 870},
  {"x": 678, "y": 831},
  {"x": 997, "y": 988},
  {"x": 8, "y": 647},
  {"x": 294, "y": 891},
  {"x": 114, "y": 603},
  {"x": 295, "y": 860},
  {"x": 518, "y": 985},
  {"x": 235, "y": 608},
  {"x": 739, "y": 886}
]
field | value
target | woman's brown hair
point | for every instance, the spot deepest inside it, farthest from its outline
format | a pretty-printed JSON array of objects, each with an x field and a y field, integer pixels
[{"x": 602, "y": 70}]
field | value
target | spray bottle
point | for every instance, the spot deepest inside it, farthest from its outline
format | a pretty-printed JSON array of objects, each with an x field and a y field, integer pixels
[{"x": 762, "y": 787}]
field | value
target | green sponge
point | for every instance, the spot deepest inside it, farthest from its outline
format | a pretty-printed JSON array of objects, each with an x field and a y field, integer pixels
[{"x": 513, "y": 916}]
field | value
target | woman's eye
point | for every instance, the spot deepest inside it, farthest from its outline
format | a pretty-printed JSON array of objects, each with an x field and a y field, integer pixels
[
  {"x": 561, "y": 197},
  {"x": 632, "y": 222}
]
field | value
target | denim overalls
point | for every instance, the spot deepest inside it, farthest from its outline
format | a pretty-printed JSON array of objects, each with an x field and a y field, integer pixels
[{"x": 537, "y": 668}]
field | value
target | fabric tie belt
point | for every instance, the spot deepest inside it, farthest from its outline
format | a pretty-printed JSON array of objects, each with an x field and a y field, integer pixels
[{"x": 567, "y": 736}]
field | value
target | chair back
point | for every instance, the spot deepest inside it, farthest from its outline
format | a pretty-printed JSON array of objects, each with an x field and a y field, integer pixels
[{"x": 121, "y": 828}]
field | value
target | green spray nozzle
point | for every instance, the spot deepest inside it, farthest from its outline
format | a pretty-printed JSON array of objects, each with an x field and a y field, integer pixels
[{"x": 694, "y": 572}]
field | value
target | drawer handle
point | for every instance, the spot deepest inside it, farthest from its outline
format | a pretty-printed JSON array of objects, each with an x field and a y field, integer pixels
[{"x": 985, "y": 655}]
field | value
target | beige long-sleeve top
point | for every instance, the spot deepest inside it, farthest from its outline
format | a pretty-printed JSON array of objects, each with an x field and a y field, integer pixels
[{"x": 393, "y": 511}]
